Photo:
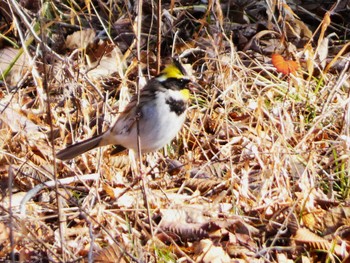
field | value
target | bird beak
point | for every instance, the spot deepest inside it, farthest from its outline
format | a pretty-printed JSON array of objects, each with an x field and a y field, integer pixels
[{"x": 194, "y": 86}]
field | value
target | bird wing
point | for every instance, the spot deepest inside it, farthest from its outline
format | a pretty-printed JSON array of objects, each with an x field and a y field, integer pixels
[{"x": 126, "y": 120}]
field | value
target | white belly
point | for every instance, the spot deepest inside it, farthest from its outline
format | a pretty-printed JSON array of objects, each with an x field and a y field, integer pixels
[{"x": 157, "y": 127}]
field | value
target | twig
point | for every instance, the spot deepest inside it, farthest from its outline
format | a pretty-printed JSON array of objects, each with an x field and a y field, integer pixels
[
  {"x": 159, "y": 34},
  {"x": 49, "y": 184},
  {"x": 139, "y": 154}
]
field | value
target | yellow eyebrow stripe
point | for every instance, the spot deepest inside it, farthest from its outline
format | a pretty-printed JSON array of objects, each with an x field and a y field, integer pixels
[{"x": 185, "y": 93}]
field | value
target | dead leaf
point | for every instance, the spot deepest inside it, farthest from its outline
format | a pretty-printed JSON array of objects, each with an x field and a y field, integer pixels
[
  {"x": 18, "y": 122},
  {"x": 80, "y": 39},
  {"x": 306, "y": 237},
  {"x": 110, "y": 63},
  {"x": 207, "y": 252}
]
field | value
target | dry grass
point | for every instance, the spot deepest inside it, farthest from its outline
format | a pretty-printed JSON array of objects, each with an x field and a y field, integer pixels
[{"x": 262, "y": 156}]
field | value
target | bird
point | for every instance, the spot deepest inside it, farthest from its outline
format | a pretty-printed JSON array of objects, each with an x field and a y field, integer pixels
[{"x": 157, "y": 116}]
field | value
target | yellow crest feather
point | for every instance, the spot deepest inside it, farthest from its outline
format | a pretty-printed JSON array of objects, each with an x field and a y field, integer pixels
[{"x": 172, "y": 71}]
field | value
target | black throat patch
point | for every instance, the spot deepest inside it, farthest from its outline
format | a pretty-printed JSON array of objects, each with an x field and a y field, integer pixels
[{"x": 177, "y": 106}]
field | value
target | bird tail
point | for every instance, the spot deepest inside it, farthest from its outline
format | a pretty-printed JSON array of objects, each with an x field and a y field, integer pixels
[{"x": 79, "y": 148}]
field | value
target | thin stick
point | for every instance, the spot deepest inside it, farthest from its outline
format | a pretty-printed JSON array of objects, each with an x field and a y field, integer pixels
[
  {"x": 159, "y": 34},
  {"x": 143, "y": 186},
  {"x": 31, "y": 193},
  {"x": 61, "y": 216}
]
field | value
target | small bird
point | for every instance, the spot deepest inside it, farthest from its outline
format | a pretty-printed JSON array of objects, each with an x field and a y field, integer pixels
[{"x": 160, "y": 114}]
